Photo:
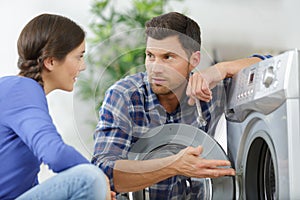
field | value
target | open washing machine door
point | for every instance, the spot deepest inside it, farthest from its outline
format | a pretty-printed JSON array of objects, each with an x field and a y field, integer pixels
[{"x": 168, "y": 140}]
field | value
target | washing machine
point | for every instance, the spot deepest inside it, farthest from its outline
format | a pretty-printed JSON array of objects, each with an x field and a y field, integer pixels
[
  {"x": 263, "y": 137},
  {"x": 169, "y": 139}
]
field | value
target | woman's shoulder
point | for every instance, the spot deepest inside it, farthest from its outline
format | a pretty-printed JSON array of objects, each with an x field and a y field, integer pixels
[
  {"x": 18, "y": 82},
  {"x": 21, "y": 87}
]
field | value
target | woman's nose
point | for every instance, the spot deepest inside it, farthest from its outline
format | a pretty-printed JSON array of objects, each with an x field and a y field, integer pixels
[{"x": 82, "y": 67}]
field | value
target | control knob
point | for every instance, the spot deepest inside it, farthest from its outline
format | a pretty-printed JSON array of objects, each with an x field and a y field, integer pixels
[{"x": 269, "y": 76}]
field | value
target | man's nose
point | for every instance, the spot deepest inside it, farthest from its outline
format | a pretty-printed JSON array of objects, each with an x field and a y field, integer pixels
[{"x": 157, "y": 66}]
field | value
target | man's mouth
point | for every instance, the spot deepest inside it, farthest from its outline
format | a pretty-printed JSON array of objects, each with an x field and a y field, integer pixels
[{"x": 158, "y": 81}]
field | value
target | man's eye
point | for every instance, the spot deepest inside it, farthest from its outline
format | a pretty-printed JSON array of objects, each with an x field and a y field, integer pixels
[
  {"x": 150, "y": 56},
  {"x": 168, "y": 57}
]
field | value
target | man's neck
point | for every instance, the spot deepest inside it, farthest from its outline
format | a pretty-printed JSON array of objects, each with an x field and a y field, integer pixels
[{"x": 171, "y": 101}]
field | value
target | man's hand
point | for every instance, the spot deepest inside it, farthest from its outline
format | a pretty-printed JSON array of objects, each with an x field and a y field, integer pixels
[
  {"x": 201, "y": 83},
  {"x": 189, "y": 163}
]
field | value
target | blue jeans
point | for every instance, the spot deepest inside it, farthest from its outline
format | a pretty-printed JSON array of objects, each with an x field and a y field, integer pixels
[{"x": 84, "y": 181}]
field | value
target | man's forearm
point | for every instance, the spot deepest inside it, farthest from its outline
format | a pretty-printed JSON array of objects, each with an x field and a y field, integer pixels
[
  {"x": 134, "y": 175},
  {"x": 230, "y": 68}
]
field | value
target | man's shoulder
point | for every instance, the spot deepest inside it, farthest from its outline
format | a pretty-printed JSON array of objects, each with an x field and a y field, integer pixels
[{"x": 130, "y": 83}]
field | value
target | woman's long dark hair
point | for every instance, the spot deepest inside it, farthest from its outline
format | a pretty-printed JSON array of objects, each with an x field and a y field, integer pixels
[{"x": 46, "y": 35}]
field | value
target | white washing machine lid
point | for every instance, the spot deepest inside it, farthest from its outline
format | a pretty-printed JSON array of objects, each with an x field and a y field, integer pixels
[{"x": 169, "y": 139}]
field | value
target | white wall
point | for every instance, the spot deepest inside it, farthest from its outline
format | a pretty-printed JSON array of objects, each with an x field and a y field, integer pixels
[
  {"x": 235, "y": 28},
  {"x": 239, "y": 27}
]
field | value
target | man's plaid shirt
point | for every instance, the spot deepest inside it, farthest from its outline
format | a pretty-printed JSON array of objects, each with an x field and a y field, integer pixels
[{"x": 129, "y": 110}]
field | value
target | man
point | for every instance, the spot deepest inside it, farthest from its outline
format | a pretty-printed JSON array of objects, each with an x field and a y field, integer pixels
[{"x": 165, "y": 93}]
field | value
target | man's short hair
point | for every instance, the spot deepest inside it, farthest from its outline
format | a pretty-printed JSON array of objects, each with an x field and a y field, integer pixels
[{"x": 175, "y": 23}]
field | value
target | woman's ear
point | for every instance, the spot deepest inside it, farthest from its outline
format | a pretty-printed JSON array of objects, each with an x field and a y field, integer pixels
[
  {"x": 195, "y": 59},
  {"x": 49, "y": 63}
]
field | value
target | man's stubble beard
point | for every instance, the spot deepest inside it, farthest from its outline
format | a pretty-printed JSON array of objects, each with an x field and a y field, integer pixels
[
  {"x": 160, "y": 89},
  {"x": 164, "y": 90}
]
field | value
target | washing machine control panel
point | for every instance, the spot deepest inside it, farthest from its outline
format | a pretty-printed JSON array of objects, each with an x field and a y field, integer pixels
[{"x": 264, "y": 86}]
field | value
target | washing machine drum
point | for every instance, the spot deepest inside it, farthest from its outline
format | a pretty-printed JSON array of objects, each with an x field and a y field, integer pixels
[{"x": 168, "y": 140}]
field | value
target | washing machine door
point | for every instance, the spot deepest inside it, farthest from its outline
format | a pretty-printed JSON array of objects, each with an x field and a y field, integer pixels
[{"x": 168, "y": 140}]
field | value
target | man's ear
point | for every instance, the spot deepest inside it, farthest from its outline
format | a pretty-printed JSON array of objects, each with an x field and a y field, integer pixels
[
  {"x": 49, "y": 63},
  {"x": 195, "y": 59}
]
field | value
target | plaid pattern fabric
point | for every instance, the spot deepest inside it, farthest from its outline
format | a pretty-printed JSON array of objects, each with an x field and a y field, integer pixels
[{"x": 131, "y": 109}]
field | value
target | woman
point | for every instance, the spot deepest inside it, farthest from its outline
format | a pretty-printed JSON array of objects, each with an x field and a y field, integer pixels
[{"x": 51, "y": 50}]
